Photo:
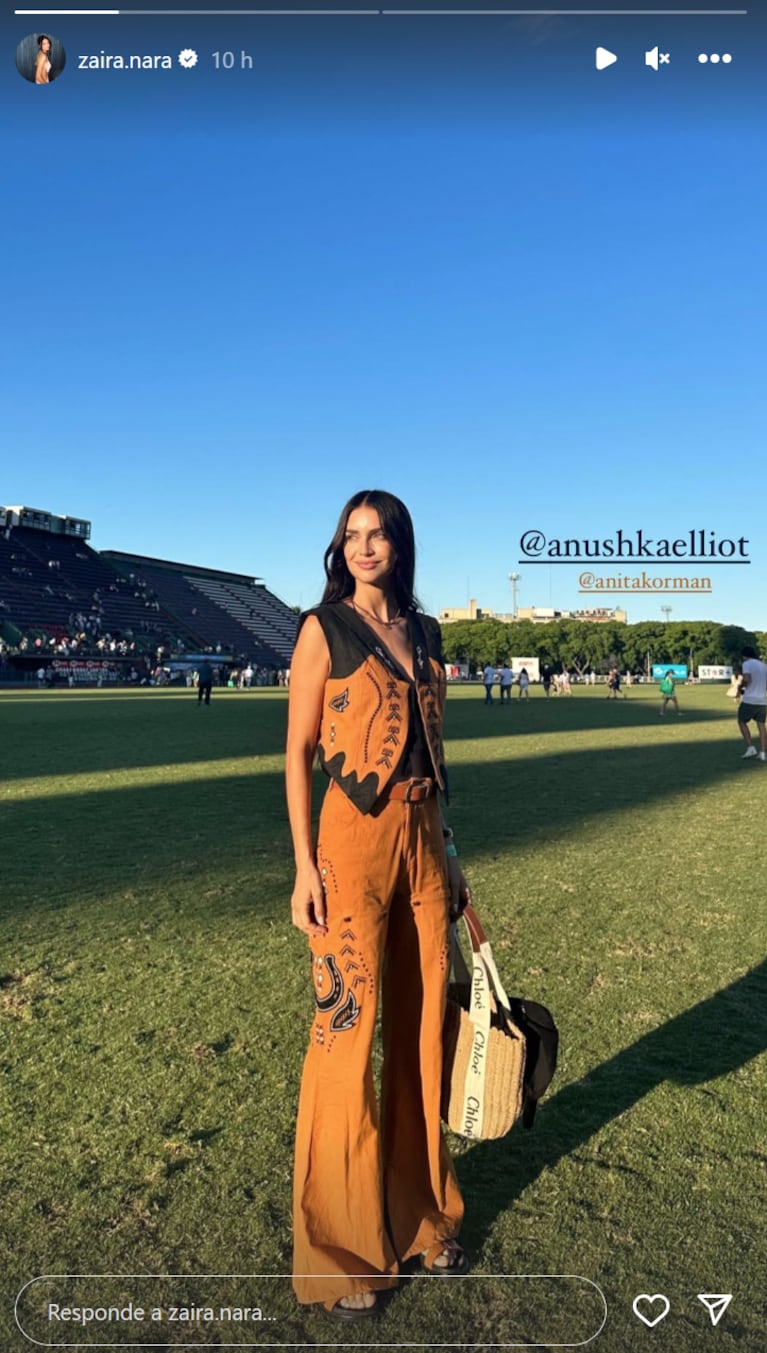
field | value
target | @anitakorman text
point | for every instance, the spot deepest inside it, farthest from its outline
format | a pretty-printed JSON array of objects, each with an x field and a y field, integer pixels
[{"x": 641, "y": 582}]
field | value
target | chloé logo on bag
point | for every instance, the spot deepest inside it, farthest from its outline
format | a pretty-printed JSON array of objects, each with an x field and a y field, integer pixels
[{"x": 339, "y": 702}]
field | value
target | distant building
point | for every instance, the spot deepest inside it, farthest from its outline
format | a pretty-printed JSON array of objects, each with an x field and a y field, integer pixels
[
  {"x": 470, "y": 612},
  {"x": 596, "y": 615},
  {"x": 539, "y": 615},
  {"x": 38, "y": 519}
]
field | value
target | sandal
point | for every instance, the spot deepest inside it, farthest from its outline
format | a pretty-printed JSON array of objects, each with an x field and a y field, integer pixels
[
  {"x": 456, "y": 1259},
  {"x": 339, "y": 1312}
]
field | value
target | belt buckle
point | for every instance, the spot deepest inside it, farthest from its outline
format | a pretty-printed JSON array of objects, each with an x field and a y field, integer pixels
[{"x": 414, "y": 785}]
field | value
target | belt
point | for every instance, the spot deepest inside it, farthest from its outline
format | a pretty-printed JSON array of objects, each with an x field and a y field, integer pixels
[{"x": 413, "y": 791}]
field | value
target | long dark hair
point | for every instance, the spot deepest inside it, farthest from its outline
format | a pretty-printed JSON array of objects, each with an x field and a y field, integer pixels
[{"x": 397, "y": 525}]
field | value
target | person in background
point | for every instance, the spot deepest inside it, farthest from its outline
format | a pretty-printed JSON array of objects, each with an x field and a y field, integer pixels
[
  {"x": 613, "y": 684},
  {"x": 668, "y": 692},
  {"x": 204, "y": 682},
  {"x": 733, "y": 690},
  {"x": 488, "y": 677},
  {"x": 524, "y": 685},
  {"x": 753, "y": 705},
  {"x": 506, "y": 680}
]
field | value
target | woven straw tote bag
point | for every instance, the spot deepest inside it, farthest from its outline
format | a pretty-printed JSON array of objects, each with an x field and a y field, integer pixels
[{"x": 483, "y": 1064}]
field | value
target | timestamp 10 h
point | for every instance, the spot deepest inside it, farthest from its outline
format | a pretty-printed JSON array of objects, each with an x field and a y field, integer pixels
[{"x": 232, "y": 61}]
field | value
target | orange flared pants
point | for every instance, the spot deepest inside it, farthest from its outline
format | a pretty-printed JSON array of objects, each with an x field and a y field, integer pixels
[{"x": 371, "y": 1189}]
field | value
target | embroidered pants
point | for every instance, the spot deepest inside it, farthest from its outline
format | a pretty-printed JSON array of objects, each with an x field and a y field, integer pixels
[{"x": 370, "y": 1190}]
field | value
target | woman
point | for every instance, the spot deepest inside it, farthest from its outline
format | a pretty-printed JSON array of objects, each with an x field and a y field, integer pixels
[
  {"x": 43, "y": 60},
  {"x": 668, "y": 692},
  {"x": 374, "y": 896}
]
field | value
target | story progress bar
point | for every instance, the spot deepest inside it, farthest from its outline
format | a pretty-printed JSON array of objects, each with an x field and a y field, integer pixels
[{"x": 420, "y": 13}]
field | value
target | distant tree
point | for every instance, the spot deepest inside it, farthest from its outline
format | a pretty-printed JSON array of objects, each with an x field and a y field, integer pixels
[
  {"x": 524, "y": 638},
  {"x": 733, "y": 639},
  {"x": 574, "y": 645},
  {"x": 475, "y": 641},
  {"x": 604, "y": 645},
  {"x": 581, "y": 645},
  {"x": 680, "y": 641},
  {"x": 643, "y": 639},
  {"x": 457, "y": 640},
  {"x": 547, "y": 639},
  {"x": 706, "y": 642}
]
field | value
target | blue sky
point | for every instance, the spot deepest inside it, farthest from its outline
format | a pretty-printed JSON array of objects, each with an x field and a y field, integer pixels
[{"x": 448, "y": 258}]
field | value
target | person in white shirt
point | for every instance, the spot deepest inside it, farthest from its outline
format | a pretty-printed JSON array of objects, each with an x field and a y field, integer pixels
[
  {"x": 489, "y": 677},
  {"x": 507, "y": 681},
  {"x": 524, "y": 682},
  {"x": 753, "y": 686}
]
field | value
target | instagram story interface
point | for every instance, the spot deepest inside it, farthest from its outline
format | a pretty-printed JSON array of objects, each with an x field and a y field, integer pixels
[{"x": 458, "y": 1041}]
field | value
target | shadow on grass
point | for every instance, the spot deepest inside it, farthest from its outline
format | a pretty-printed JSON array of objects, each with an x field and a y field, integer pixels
[
  {"x": 152, "y": 835},
  {"x": 68, "y": 733},
  {"x": 71, "y": 733},
  {"x": 712, "y": 1039}
]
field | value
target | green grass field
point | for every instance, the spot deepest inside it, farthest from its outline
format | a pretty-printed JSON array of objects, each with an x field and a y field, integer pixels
[{"x": 155, "y": 1002}]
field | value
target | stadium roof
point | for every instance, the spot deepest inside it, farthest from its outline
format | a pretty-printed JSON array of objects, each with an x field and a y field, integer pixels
[{"x": 173, "y": 566}]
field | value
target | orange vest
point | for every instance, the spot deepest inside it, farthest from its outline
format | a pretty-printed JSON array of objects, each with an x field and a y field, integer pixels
[{"x": 366, "y": 708}]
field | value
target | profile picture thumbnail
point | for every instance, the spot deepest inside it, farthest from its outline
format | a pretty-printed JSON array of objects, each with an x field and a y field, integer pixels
[{"x": 40, "y": 58}]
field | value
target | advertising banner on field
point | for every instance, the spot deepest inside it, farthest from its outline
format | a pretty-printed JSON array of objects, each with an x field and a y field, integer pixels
[
  {"x": 530, "y": 665},
  {"x": 678, "y": 670},
  {"x": 85, "y": 669},
  {"x": 715, "y": 673}
]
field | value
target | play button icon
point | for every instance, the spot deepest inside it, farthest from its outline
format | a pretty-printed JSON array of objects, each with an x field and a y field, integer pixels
[{"x": 605, "y": 58}]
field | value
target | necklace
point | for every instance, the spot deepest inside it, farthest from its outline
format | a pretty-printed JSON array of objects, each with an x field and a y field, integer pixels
[{"x": 388, "y": 624}]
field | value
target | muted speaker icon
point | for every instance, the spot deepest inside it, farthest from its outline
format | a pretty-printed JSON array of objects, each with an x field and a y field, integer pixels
[{"x": 656, "y": 58}]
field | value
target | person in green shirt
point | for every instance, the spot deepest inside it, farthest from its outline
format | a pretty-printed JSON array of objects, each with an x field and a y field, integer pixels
[{"x": 667, "y": 692}]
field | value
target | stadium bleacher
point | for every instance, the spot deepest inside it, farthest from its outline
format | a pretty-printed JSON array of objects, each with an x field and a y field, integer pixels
[
  {"x": 218, "y": 608},
  {"x": 53, "y": 582},
  {"x": 46, "y": 578}
]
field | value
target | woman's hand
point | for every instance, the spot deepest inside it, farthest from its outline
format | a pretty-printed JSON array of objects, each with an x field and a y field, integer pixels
[
  {"x": 307, "y": 905},
  {"x": 460, "y": 892}
]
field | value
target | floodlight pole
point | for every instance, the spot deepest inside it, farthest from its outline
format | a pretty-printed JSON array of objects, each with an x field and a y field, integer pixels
[{"x": 514, "y": 579}]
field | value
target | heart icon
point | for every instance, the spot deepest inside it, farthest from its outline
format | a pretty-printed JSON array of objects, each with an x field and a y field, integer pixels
[{"x": 644, "y": 1299}]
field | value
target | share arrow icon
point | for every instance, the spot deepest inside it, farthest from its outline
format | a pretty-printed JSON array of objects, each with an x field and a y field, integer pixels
[{"x": 716, "y": 1304}]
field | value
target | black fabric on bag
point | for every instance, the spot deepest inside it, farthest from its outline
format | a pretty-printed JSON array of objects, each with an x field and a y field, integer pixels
[{"x": 542, "y": 1044}]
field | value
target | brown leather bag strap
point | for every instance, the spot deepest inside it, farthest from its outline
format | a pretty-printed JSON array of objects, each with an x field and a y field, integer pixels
[
  {"x": 475, "y": 928},
  {"x": 482, "y": 951}
]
